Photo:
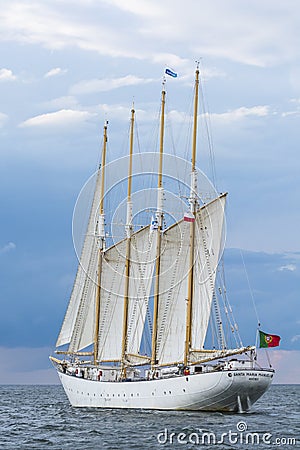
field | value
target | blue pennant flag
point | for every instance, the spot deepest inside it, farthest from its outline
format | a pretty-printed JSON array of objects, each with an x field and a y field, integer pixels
[
  {"x": 171, "y": 73},
  {"x": 154, "y": 224}
]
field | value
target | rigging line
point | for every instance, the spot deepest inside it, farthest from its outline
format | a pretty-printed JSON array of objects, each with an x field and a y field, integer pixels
[
  {"x": 219, "y": 292},
  {"x": 140, "y": 182},
  {"x": 268, "y": 357},
  {"x": 145, "y": 344},
  {"x": 229, "y": 317},
  {"x": 146, "y": 181},
  {"x": 251, "y": 292},
  {"x": 173, "y": 148},
  {"x": 186, "y": 122},
  {"x": 212, "y": 331},
  {"x": 222, "y": 274},
  {"x": 207, "y": 123},
  {"x": 189, "y": 124}
]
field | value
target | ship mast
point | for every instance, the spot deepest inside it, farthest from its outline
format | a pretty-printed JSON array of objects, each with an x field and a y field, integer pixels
[
  {"x": 101, "y": 237},
  {"x": 128, "y": 247},
  {"x": 159, "y": 218},
  {"x": 193, "y": 205}
]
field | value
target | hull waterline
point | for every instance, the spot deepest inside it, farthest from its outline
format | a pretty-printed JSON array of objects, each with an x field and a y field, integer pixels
[{"x": 228, "y": 391}]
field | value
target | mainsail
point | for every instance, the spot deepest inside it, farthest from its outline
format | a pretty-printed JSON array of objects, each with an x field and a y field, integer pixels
[
  {"x": 143, "y": 246},
  {"x": 173, "y": 287},
  {"x": 208, "y": 240},
  {"x": 174, "y": 279},
  {"x": 112, "y": 294}
]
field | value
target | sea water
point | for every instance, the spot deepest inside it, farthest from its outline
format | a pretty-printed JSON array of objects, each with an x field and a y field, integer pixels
[{"x": 40, "y": 417}]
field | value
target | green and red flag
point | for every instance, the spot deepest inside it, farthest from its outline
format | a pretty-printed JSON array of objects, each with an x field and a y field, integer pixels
[{"x": 268, "y": 340}]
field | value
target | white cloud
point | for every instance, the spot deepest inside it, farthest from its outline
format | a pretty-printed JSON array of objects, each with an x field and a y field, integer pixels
[
  {"x": 54, "y": 72},
  {"x": 177, "y": 116},
  {"x": 107, "y": 84},
  {"x": 62, "y": 118},
  {"x": 7, "y": 75},
  {"x": 250, "y": 35},
  {"x": 65, "y": 102},
  {"x": 295, "y": 338},
  {"x": 288, "y": 267},
  {"x": 242, "y": 34},
  {"x": 241, "y": 113},
  {"x": 170, "y": 59},
  {"x": 3, "y": 119},
  {"x": 185, "y": 67},
  {"x": 36, "y": 23},
  {"x": 296, "y": 112},
  {"x": 138, "y": 7},
  {"x": 121, "y": 112},
  {"x": 290, "y": 113},
  {"x": 8, "y": 248}
]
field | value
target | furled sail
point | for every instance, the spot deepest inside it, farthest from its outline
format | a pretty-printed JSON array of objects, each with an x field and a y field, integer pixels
[
  {"x": 208, "y": 240},
  {"x": 112, "y": 294},
  {"x": 74, "y": 329},
  {"x": 174, "y": 280}
]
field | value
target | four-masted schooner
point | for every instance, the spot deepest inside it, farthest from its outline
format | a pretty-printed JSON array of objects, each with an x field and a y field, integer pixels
[{"x": 169, "y": 273}]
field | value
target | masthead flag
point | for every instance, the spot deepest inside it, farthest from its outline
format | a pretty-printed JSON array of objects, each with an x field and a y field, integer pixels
[
  {"x": 171, "y": 73},
  {"x": 268, "y": 340}
]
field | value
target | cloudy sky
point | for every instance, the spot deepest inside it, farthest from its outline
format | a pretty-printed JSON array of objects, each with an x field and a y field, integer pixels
[{"x": 66, "y": 67}]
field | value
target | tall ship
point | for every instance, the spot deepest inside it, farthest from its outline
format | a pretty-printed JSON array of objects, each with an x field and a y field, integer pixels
[{"x": 144, "y": 326}]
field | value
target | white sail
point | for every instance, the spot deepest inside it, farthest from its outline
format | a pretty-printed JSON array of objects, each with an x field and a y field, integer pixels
[
  {"x": 174, "y": 280},
  {"x": 112, "y": 294},
  {"x": 143, "y": 252},
  {"x": 73, "y": 329},
  {"x": 174, "y": 267},
  {"x": 111, "y": 302},
  {"x": 208, "y": 239}
]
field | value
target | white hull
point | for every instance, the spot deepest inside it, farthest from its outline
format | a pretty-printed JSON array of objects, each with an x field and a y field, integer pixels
[{"x": 230, "y": 390}]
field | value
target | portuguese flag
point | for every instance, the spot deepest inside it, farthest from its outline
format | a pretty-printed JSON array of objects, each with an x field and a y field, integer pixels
[{"x": 268, "y": 340}]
